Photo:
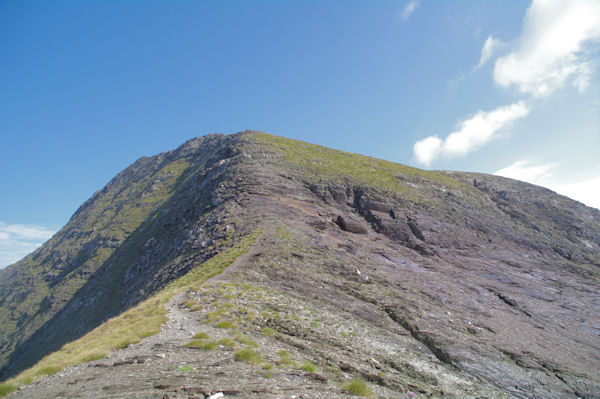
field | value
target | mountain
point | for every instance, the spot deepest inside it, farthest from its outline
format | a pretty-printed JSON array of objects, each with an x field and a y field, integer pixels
[{"x": 261, "y": 266}]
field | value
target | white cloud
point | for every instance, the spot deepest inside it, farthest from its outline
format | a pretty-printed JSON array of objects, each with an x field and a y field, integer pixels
[
  {"x": 554, "y": 48},
  {"x": 409, "y": 9},
  {"x": 487, "y": 51},
  {"x": 470, "y": 135},
  {"x": 29, "y": 232},
  {"x": 428, "y": 149},
  {"x": 529, "y": 170},
  {"x": 18, "y": 240},
  {"x": 585, "y": 190}
]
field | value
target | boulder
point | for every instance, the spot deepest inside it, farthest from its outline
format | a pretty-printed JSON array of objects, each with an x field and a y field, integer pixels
[
  {"x": 379, "y": 206},
  {"x": 350, "y": 225}
]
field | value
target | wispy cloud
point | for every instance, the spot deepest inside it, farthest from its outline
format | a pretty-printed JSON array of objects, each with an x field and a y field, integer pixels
[
  {"x": 408, "y": 10},
  {"x": 536, "y": 171},
  {"x": 488, "y": 49},
  {"x": 553, "y": 48},
  {"x": 470, "y": 135},
  {"x": 18, "y": 240},
  {"x": 529, "y": 170},
  {"x": 586, "y": 191}
]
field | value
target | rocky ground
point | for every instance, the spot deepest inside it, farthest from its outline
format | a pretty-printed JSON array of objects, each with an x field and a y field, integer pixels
[
  {"x": 302, "y": 351},
  {"x": 444, "y": 285}
]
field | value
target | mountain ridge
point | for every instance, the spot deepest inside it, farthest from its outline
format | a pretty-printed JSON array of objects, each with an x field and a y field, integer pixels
[{"x": 166, "y": 215}]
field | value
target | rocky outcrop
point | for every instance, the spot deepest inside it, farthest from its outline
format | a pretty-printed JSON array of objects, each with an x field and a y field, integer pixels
[{"x": 481, "y": 286}]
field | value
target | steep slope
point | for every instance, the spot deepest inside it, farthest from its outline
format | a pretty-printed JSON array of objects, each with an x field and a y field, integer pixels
[
  {"x": 98, "y": 264},
  {"x": 443, "y": 283}
]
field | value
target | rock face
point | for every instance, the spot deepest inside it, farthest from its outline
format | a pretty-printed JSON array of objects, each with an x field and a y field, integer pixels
[{"x": 445, "y": 284}]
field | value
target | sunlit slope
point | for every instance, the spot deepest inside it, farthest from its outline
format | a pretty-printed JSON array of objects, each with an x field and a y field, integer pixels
[
  {"x": 131, "y": 326},
  {"x": 453, "y": 259}
]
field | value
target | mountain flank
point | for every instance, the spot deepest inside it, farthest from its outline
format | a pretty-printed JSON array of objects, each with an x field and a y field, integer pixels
[{"x": 259, "y": 266}]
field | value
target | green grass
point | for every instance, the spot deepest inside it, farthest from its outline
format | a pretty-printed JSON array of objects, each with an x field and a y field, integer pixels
[
  {"x": 227, "y": 342},
  {"x": 93, "y": 356},
  {"x": 6, "y": 388},
  {"x": 116, "y": 212},
  {"x": 358, "y": 387},
  {"x": 268, "y": 375},
  {"x": 186, "y": 369},
  {"x": 201, "y": 344},
  {"x": 284, "y": 233},
  {"x": 267, "y": 366},
  {"x": 286, "y": 359},
  {"x": 321, "y": 163},
  {"x": 226, "y": 324},
  {"x": 126, "y": 342},
  {"x": 269, "y": 332},
  {"x": 246, "y": 340},
  {"x": 190, "y": 303},
  {"x": 48, "y": 370},
  {"x": 216, "y": 315},
  {"x": 248, "y": 355},
  {"x": 131, "y": 326},
  {"x": 308, "y": 366},
  {"x": 201, "y": 335}
]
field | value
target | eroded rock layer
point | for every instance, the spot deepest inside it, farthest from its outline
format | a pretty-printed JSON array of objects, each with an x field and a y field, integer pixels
[{"x": 439, "y": 283}]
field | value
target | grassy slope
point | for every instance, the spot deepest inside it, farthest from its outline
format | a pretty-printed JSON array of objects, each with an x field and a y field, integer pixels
[
  {"x": 132, "y": 325},
  {"x": 325, "y": 164},
  {"x": 30, "y": 300},
  {"x": 311, "y": 162}
]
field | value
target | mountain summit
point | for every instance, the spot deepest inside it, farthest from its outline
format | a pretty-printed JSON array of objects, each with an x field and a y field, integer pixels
[{"x": 259, "y": 266}]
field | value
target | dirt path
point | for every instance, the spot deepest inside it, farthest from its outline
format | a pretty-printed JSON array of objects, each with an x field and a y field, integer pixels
[
  {"x": 258, "y": 247},
  {"x": 156, "y": 357}
]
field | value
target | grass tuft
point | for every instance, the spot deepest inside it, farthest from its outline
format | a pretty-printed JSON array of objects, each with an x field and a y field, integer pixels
[
  {"x": 269, "y": 332},
  {"x": 286, "y": 359},
  {"x": 308, "y": 366},
  {"x": 226, "y": 324},
  {"x": 358, "y": 387},
  {"x": 248, "y": 355},
  {"x": 226, "y": 342},
  {"x": 216, "y": 315},
  {"x": 190, "y": 303},
  {"x": 201, "y": 335},
  {"x": 201, "y": 344},
  {"x": 246, "y": 340}
]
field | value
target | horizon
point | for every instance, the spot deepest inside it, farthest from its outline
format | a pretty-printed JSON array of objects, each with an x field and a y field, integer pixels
[{"x": 477, "y": 87}]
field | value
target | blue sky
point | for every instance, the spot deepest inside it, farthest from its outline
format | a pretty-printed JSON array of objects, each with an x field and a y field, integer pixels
[{"x": 86, "y": 88}]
